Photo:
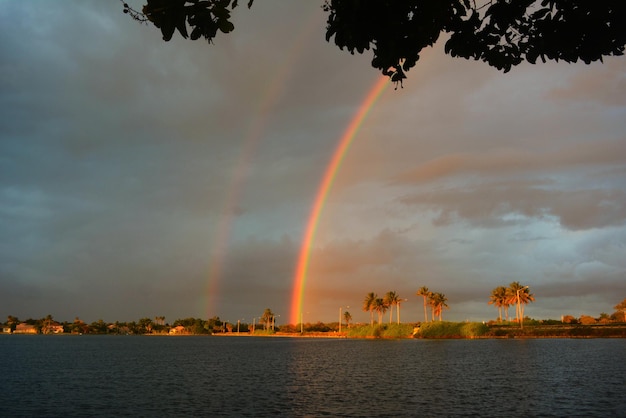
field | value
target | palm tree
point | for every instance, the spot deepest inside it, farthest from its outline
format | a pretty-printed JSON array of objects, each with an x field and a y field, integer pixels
[
  {"x": 438, "y": 303},
  {"x": 425, "y": 293},
  {"x": 512, "y": 297},
  {"x": 518, "y": 295},
  {"x": 368, "y": 305},
  {"x": 524, "y": 297},
  {"x": 398, "y": 308},
  {"x": 347, "y": 317},
  {"x": 47, "y": 324},
  {"x": 380, "y": 307},
  {"x": 432, "y": 302},
  {"x": 619, "y": 307},
  {"x": 267, "y": 317},
  {"x": 498, "y": 298},
  {"x": 391, "y": 299}
]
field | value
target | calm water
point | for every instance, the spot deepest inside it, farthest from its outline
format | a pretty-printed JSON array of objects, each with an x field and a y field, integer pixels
[{"x": 63, "y": 376}]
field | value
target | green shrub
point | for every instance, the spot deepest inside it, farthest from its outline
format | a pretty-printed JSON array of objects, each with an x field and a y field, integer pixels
[
  {"x": 381, "y": 331},
  {"x": 474, "y": 329},
  {"x": 261, "y": 332},
  {"x": 452, "y": 330},
  {"x": 440, "y": 330},
  {"x": 581, "y": 331},
  {"x": 360, "y": 331},
  {"x": 378, "y": 331},
  {"x": 397, "y": 330},
  {"x": 499, "y": 332}
]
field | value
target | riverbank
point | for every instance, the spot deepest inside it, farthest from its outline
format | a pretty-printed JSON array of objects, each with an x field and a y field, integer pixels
[{"x": 454, "y": 330}]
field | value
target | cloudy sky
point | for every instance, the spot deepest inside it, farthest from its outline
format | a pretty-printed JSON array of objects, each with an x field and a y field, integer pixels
[{"x": 142, "y": 178}]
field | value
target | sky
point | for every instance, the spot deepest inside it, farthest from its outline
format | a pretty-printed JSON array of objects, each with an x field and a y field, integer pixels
[{"x": 140, "y": 178}]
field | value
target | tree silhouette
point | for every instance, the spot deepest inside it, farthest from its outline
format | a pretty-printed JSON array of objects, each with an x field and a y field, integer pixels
[
  {"x": 348, "y": 317},
  {"x": 391, "y": 299},
  {"x": 499, "y": 298},
  {"x": 425, "y": 293},
  {"x": 369, "y": 305},
  {"x": 501, "y": 33}
]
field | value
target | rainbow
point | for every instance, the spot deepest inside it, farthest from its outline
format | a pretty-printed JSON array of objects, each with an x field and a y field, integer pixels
[
  {"x": 348, "y": 136},
  {"x": 269, "y": 97}
]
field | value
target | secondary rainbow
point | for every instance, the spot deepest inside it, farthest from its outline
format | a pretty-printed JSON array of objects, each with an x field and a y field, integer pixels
[
  {"x": 348, "y": 136},
  {"x": 268, "y": 99}
]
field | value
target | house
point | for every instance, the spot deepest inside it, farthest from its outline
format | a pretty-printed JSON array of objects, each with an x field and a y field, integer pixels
[
  {"x": 6, "y": 330},
  {"x": 52, "y": 328},
  {"x": 55, "y": 329},
  {"x": 25, "y": 328},
  {"x": 178, "y": 330}
]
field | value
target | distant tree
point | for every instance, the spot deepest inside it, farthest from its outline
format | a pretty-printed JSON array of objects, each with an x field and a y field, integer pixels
[
  {"x": 501, "y": 33},
  {"x": 499, "y": 299},
  {"x": 79, "y": 327},
  {"x": 398, "y": 308},
  {"x": 519, "y": 296},
  {"x": 438, "y": 303},
  {"x": 98, "y": 327},
  {"x": 587, "y": 320},
  {"x": 287, "y": 328},
  {"x": 621, "y": 308},
  {"x": 145, "y": 326},
  {"x": 368, "y": 305},
  {"x": 348, "y": 318},
  {"x": 425, "y": 293},
  {"x": 604, "y": 318},
  {"x": 318, "y": 327},
  {"x": 380, "y": 307},
  {"x": 12, "y": 322},
  {"x": 267, "y": 318},
  {"x": 391, "y": 299},
  {"x": 193, "y": 325},
  {"x": 46, "y": 324},
  {"x": 215, "y": 324},
  {"x": 132, "y": 327}
]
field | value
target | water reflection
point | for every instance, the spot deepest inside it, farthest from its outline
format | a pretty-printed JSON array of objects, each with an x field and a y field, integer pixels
[{"x": 211, "y": 376}]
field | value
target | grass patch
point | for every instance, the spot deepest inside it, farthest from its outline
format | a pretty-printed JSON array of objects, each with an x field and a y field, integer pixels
[
  {"x": 381, "y": 331},
  {"x": 261, "y": 332},
  {"x": 452, "y": 330}
]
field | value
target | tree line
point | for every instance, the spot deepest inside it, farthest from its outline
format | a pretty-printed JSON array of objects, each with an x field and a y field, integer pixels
[
  {"x": 48, "y": 325},
  {"x": 158, "y": 325},
  {"x": 435, "y": 300},
  {"x": 501, "y": 297},
  {"x": 514, "y": 295},
  {"x": 373, "y": 303}
]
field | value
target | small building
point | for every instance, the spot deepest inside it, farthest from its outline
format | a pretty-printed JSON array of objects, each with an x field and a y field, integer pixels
[
  {"x": 178, "y": 330},
  {"x": 56, "y": 329},
  {"x": 6, "y": 330},
  {"x": 25, "y": 328}
]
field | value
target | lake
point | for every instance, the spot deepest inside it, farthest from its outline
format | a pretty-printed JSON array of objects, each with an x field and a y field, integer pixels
[{"x": 80, "y": 376}]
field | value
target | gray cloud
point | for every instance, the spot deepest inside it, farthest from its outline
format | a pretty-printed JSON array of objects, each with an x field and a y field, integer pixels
[
  {"x": 142, "y": 178},
  {"x": 496, "y": 205},
  {"x": 510, "y": 161}
]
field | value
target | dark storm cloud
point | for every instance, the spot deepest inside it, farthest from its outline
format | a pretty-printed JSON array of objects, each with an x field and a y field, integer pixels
[{"x": 130, "y": 167}]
